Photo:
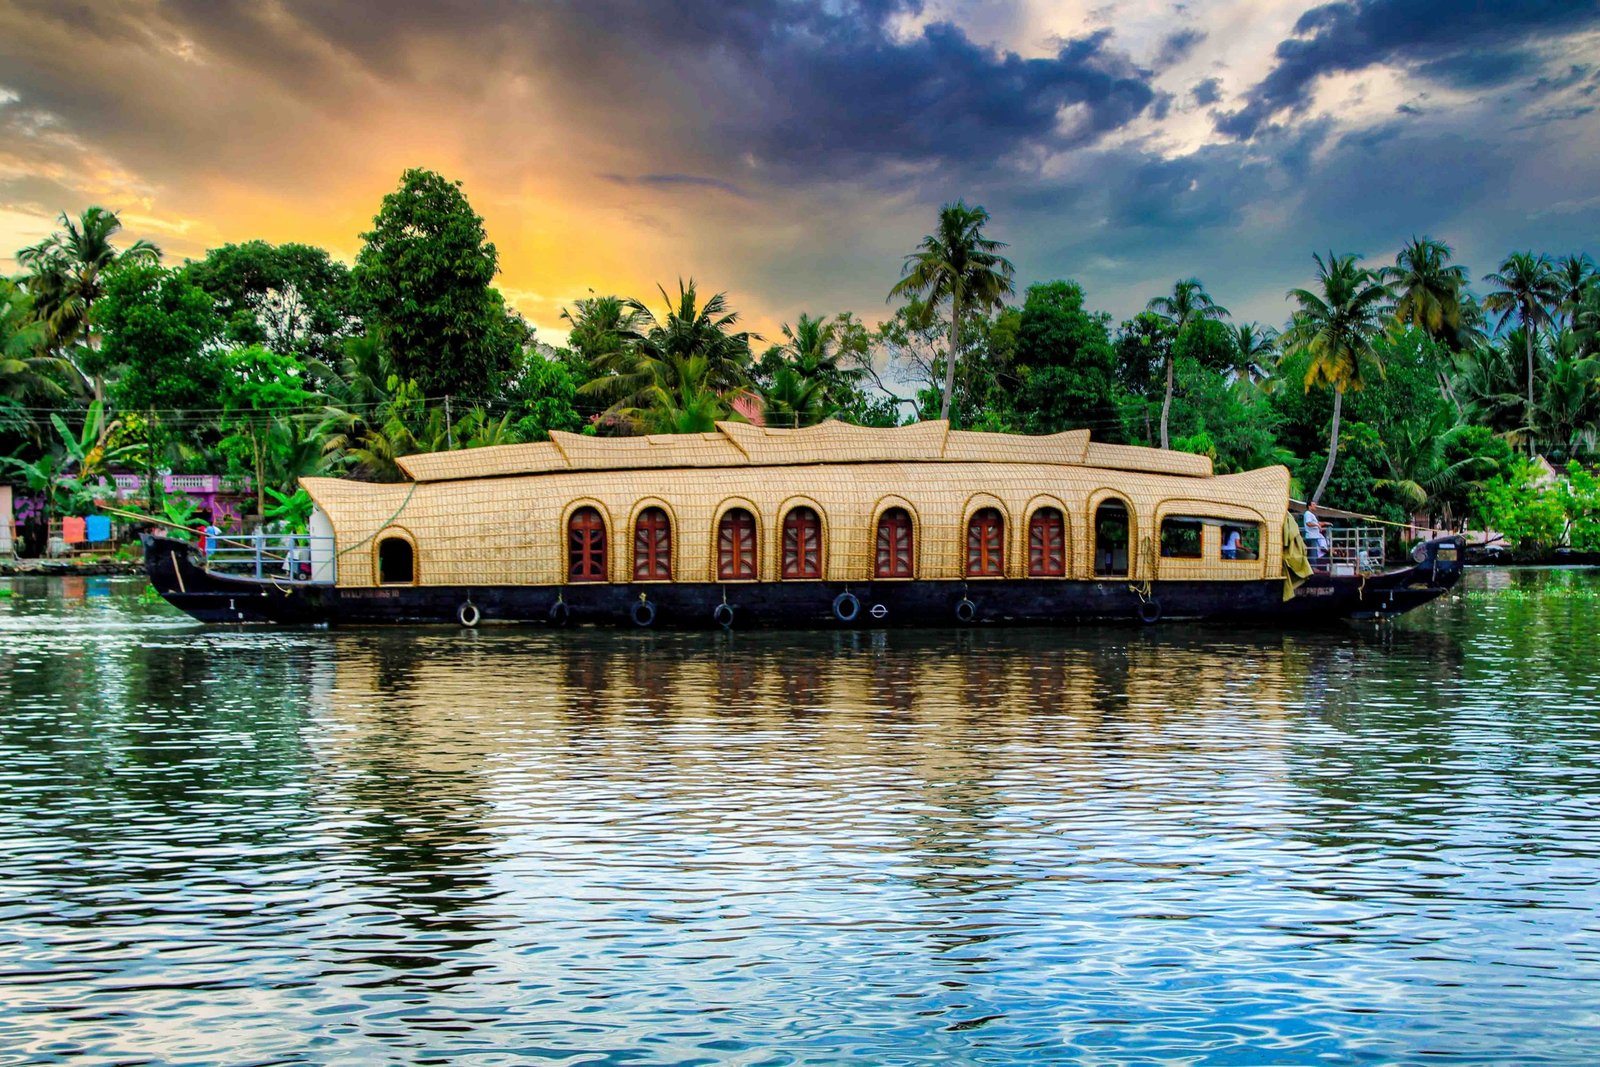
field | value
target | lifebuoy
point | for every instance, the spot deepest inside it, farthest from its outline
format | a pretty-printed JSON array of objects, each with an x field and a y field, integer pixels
[
  {"x": 644, "y": 613},
  {"x": 1149, "y": 611},
  {"x": 966, "y": 610},
  {"x": 558, "y": 613},
  {"x": 722, "y": 615},
  {"x": 468, "y": 615},
  {"x": 846, "y": 607}
]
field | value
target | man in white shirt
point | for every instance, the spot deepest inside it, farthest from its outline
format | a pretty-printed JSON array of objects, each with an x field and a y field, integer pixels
[{"x": 1316, "y": 538}]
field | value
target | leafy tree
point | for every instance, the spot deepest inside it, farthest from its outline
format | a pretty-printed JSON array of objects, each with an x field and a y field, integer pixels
[
  {"x": 957, "y": 265},
  {"x": 541, "y": 397},
  {"x": 424, "y": 274},
  {"x": 1225, "y": 418},
  {"x": 260, "y": 387},
  {"x": 1210, "y": 344},
  {"x": 1335, "y": 327},
  {"x": 292, "y": 298},
  {"x": 1528, "y": 287},
  {"x": 1579, "y": 494},
  {"x": 1189, "y": 302},
  {"x": 1521, "y": 508},
  {"x": 157, "y": 328},
  {"x": 1066, "y": 363},
  {"x": 1143, "y": 346}
]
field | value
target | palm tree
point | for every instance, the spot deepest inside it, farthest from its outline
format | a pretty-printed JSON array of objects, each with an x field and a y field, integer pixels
[
  {"x": 1528, "y": 288},
  {"x": 67, "y": 275},
  {"x": 958, "y": 264},
  {"x": 1421, "y": 473},
  {"x": 1335, "y": 328},
  {"x": 1576, "y": 279},
  {"x": 682, "y": 400},
  {"x": 793, "y": 400},
  {"x": 1427, "y": 288},
  {"x": 602, "y": 326},
  {"x": 26, "y": 372},
  {"x": 1188, "y": 303},
  {"x": 648, "y": 367},
  {"x": 1256, "y": 344}
]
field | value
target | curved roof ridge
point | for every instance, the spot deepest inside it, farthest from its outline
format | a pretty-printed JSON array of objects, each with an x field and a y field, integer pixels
[{"x": 738, "y": 444}]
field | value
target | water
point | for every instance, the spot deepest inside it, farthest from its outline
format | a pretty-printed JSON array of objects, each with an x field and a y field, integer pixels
[{"x": 259, "y": 846}]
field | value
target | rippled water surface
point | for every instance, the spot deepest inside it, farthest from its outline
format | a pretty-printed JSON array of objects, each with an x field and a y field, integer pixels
[{"x": 1167, "y": 846}]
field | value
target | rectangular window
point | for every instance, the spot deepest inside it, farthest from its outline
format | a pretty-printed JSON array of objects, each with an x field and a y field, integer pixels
[{"x": 1180, "y": 538}]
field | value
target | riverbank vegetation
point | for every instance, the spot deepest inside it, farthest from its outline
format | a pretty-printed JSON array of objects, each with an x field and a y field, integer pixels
[{"x": 1390, "y": 388}]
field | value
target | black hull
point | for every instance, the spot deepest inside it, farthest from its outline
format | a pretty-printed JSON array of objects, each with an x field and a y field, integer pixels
[{"x": 209, "y": 597}]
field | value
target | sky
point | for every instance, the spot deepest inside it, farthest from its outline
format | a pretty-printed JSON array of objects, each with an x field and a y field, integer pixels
[{"x": 792, "y": 153}]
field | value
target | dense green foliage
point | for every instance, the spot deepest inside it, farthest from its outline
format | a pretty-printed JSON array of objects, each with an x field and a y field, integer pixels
[
  {"x": 424, "y": 276},
  {"x": 1392, "y": 390}
]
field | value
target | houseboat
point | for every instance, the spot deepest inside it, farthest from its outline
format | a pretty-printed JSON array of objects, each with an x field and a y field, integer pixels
[{"x": 833, "y": 525}]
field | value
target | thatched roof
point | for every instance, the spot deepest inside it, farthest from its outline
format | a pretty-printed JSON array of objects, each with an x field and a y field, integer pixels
[{"x": 743, "y": 445}]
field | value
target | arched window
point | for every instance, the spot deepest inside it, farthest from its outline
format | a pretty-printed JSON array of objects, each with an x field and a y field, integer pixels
[
  {"x": 736, "y": 546},
  {"x": 586, "y": 546},
  {"x": 1112, "y": 536},
  {"x": 894, "y": 545},
  {"x": 652, "y": 546},
  {"x": 1047, "y": 544},
  {"x": 396, "y": 562},
  {"x": 986, "y": 532},
  {"x": 802, "y": 544}
]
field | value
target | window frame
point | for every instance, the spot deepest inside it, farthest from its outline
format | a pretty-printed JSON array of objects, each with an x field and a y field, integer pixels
[
  {"x": 588, "y": 552},
  {"x": 1038, "y": 566},
  {"x": 654, "y": 556},
  {"x": 727, "y": 517},
  {"x": 1199, "y": 526},
  {"x": 888, "y": 523},
  {"x": 994, "y": 538},
  {"x": 800, "y": 520}
]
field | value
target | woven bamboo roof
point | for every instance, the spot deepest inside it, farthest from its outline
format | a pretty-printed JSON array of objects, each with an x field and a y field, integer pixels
[{"x": 742, "y": 445}]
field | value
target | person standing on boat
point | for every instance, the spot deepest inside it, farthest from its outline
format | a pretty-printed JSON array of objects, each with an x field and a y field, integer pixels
[
  {"x": 1316, "y": 538},
  {"x": 1230, "y": 542}
]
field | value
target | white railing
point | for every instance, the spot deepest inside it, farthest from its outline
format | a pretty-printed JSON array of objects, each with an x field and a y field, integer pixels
[
  {"x": 1349, "y": 550},
  {"x": 280, "y": 556}
]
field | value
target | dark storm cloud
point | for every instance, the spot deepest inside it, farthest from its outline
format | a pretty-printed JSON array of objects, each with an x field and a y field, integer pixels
[
  {"x": 802, "y": 89},
  {"x": 1177, "y": 47},
  {"x": 1464, "y": 43},
  {"x": 1207, "y": 91}
]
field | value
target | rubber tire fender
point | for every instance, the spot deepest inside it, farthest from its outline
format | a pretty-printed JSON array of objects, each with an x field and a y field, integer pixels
[
  {"x": 966, "y": 611},
  {"x": 846, "y": 607},
  {"x": 559, "y": 613},
  {"x": 643, "y": 614},
  {"x": 722, "y": 615},
  {"x": 1149, "y": 611},
  {"x": 468, "y": 614}
]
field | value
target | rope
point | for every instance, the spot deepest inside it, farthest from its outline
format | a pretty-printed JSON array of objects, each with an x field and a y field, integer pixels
[{"x": 381, "y": 525}]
